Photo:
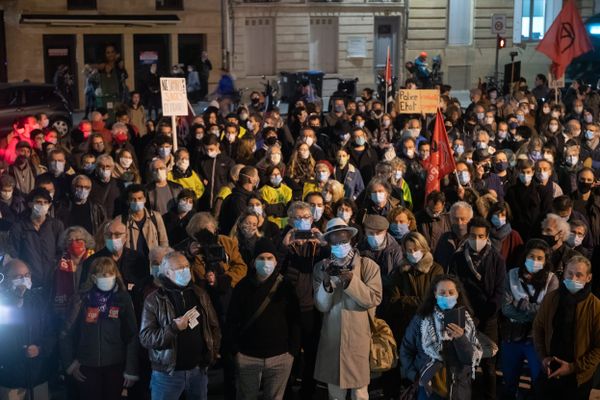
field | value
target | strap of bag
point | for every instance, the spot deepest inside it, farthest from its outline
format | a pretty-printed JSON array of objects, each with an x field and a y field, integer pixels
[{"x": 264, "y": 304}]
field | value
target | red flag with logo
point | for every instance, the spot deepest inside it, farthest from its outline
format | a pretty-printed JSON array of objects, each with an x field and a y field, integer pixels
[
  {"x": 441, "y": 161},
  {"x": 388, "y": 69},
  {"x": 565, "y": 40}
]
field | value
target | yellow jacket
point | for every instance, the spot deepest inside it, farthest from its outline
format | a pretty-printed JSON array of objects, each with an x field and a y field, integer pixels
[
  {"x": 271, "y": 195},
  {"x": 310, "y": 187},
  {"x": 192, "y": 182}
]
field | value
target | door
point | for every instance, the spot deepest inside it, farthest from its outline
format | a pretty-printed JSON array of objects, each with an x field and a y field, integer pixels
[
  {"x": 259, "y": 33},
  {"x": 386, "y": 36},
  {"x": 60, "y": 65},
  {"x": 322, "y": 51},
  {"x": 148, "y": 50}
]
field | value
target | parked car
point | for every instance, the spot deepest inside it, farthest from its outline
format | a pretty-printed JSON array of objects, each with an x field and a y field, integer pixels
[{"x": 20, "y": 99}]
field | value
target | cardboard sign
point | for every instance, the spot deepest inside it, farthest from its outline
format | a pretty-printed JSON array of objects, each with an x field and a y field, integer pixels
[
  {"x": 554, "y": 83},
  {"x": 417, "y": 101},
  {"x": 174, "y": 97}
]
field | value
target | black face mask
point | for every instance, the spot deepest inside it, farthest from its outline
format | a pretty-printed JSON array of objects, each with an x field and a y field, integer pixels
[
  {"x": 584, "y": 187},
  {"x": 270, "y": 141},
  {"x": 549, "y": 239},
  {"x": 255, "y": 100}
]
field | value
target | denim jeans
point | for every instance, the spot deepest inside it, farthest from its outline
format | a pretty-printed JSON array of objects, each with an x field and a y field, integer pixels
[
  {"x": 513, "y": 354},
  {"x": 193, "y": 382}
]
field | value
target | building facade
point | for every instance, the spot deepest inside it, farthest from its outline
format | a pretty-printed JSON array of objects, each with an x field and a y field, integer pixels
[
  {"x": 344, "y": 39},
  {"x": 41, "y": 35},
  {"x": 461, "y": 32}
]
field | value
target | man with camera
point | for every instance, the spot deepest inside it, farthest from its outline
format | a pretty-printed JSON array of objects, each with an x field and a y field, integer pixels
[
  {"x": 304, "y": 248},
  {"x": 347, "y": 286}
]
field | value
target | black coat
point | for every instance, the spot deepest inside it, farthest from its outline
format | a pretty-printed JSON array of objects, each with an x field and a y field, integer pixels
[
  {"x": 105, "y": 193},
  {"x": 486, "y": 294},
  {"x": 32, "y": 327},
  {"x": 526, "y": 206},
  {"x": 216, "y": 172},
  {"x": 175, "y": 226},
  {"x": 134, "y": 268},
  {"x": 39, "y": 249},
  {"x": 233, "y": 206},
  {"x": 365, "y": 162}
]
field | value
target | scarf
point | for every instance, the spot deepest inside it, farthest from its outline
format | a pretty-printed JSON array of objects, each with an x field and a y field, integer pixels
[
  {"x": 564, "y": 322},
  {"x": 423, "y": 266},
  {"x": 433, "y": 336},
  {"x": 498, "y": 235},
  {"x": 101, "y": 300},
  {"x": 473, "y": 260},
  {"x": 64, "y": 281},
  {"x": 521, "y": 290},
  {"x": 178, "y": 174}
]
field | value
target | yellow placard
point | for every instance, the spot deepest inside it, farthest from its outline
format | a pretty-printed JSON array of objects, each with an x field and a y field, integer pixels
[{"x": 417, "y": 101}]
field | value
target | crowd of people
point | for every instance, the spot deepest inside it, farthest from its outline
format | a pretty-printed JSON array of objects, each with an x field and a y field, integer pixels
[{"x": 269, "y": 246}]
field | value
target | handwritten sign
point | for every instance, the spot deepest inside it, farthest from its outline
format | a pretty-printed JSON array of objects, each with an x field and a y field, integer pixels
[
  {"x": 174, "y": 96},
  {"x": 417, "y": 101}
]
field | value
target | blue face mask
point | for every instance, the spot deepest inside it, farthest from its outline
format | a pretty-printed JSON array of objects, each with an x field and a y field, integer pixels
[
  {"x": 276, "y": 180},
  {"x": 360, "y": 141},
  {"x": 341, "y": 250},
  {"x": 446, "y": 302},
  {"x": 399, "y": 230},
  {"x": 302, "y": 224},
  {"x": 182, "y": 277},
  {"x": 573, "y": 286},
  {"x": 154, "y": 270}
]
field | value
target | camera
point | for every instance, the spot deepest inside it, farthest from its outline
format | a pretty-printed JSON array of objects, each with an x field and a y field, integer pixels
[{"x": 207, "y": 246}]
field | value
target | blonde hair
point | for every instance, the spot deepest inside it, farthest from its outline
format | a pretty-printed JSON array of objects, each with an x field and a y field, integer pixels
[
  {"x": 103, "y": 265},
  {"x": 417, "y": 239}
]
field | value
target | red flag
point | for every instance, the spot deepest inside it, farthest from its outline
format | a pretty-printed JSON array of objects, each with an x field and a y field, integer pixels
[
  {"x": 565, "y": 40},
  {"x": 388, "y": 69},
  {"x": 441, "y": 161}
]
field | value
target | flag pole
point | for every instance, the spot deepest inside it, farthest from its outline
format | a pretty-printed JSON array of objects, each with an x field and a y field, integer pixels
[{"x": 387, "y": 60}]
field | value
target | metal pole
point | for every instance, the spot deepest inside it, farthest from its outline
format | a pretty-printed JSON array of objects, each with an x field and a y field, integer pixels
[{"x": 496, "y": 65}]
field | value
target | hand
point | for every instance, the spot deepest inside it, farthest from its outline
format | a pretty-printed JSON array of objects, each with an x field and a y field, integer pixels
[
  {"x": 523, "y": 304},
  {"x": 460, "y": 191},
  {"x": 454, "y": 331},
  {"x": 345, "y": 278},
  {"x": 211, "y": 279},
  {"x": 546, "y": 364},
  {"x": 564, "y": 369},
  {"x": 181, "y": 322},
  {"x": 76, "y": 373},
  {"x": 287, "y": 239},
  {"x": 128, "y": 382},
  {"x": 32, "y": 351}
]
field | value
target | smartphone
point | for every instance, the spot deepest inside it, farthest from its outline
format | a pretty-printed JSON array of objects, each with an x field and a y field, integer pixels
[
  {"x": 303, "y": 235},
  {"x": 455, "y": 316}
]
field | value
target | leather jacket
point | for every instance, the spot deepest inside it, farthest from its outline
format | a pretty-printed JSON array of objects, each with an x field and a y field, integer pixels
[{"x": 158, "y": 332}]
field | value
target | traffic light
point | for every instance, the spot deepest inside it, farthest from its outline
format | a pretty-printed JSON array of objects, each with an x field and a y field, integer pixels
[{"x": 501, "y": 42}]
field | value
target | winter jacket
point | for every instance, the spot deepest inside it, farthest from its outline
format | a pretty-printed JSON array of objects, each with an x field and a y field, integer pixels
[
  {"x": 39, "y": 249},
  {"x": 97, "y": 215},
  {"x": 158, "y": 332},
  {"x": 343, "y": 353},
  {"x": 408, "y": 289},
  {"x": 277, "y": 200},
  {"x": 486, "y": 293},
  {"x": 364, "y": 161},
  {"x": 432, "y": 227},
  {"x": 153, "y": 230},
  {"x": 31, "y": 325},
  {"x": 352, "y": 181},
  {"x": 526, "y": 206},
  {"x": 105, "y": 193},
  {"x": 132, "y": 266},
  {"x": 232, "y": 271},
  {"x": 458, "y": 360},
  {"x": 276, "y": 331},
  {"x": 101, "y": 341},
  {"x": 188, "y": 180},
  {"x": 216, "y": 172},
  {"x": 233, "y": 206},
  {"x": 587, "y": 333}
]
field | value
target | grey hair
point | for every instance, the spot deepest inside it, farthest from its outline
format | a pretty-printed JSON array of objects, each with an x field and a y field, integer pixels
[
  {"x": 116, "y": 220},
  {"x": 199, "y": 221},
  {"x": 156, "y": 250},
  {"x": 105, "y": 157},
  {"x": 80, "y": 177},
  {"x": 561, "y": 224},
  {"x": 166, "y": 262},
  {"x": 297, "y": 205},
  {"x": 461, "y": 204},
  {"x": 119, "y": 127},
  {"x": 63, "y": 240},
  {"x": 379, "y": 181}
]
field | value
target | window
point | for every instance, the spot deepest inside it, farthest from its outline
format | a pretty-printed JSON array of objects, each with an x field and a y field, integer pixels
[
  {"x": 37, "y": 95},
  {"x": 460, "y": 22},
  {"x": 532, "y": 18},
  {"x": 190, "y": 47},
  {"x": 169, "y": 4},
  {"x": 322, "y": 51},
  {"x": 81, "y": 4}
]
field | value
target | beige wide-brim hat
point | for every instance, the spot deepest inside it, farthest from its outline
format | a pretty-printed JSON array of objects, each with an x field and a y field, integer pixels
[{"x": 338, "y": 225}]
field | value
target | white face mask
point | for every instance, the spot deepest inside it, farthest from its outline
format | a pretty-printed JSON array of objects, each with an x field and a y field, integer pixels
[
  {"x": 275, "y": 158},
  {"x": 106, "y": 284},
  {"x": 212, "y": 154},
  {"x": 57, "y": 167},
  {"x": 317, "y": 212},
  {"x": 183, "y": 164},
  {"x": 40, "y": 210},
  {"x": 160, "y": 175},
  {"x": 22, "y": 282},
  {"x": 309, "y": 140},
  {"x": 126, "y": 162},
  {"x": 345, "y": 215},
  {"x": 477, "y": 244}
]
